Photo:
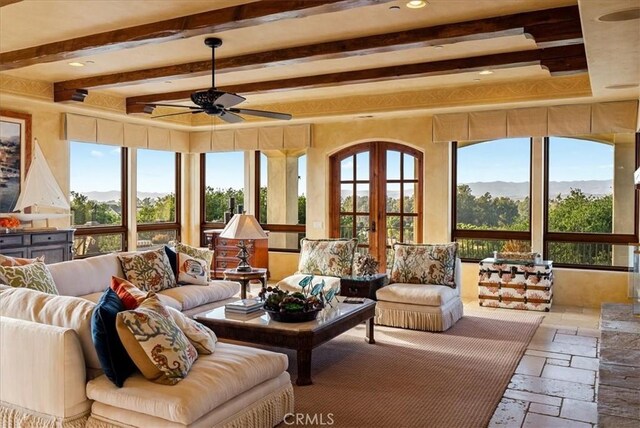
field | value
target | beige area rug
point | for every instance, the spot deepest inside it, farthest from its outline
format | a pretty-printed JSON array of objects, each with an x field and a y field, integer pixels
[{"x": 413, "y": 378}]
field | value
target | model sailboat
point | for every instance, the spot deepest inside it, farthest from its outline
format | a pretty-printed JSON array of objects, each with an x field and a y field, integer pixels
[{"x": 40, "y": 190}]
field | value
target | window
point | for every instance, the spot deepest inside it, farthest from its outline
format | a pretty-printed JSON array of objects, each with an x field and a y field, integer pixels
[
  {"x": 158, "y": 198},
  {"x": 222, "y": 178},
  {"x": 281, "y": 180},
  {"x": 591, "y": 208},
  {"x": 99, "y": 210},
  {"x": 492, "y": 202}
]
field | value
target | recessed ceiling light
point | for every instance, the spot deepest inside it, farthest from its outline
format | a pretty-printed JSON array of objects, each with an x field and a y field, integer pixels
[
  {"x": 476, "y": 80},
  {"x": 622, "y": 86},
  {"x": 438, "y": 47},
  {"x": 76, "y": 64},
  {"x": 416, "y": 4},
  {"x": 621, "y": 15},
  {"x": 485, "y": 72},
  {"x": 394, "y": 8}
]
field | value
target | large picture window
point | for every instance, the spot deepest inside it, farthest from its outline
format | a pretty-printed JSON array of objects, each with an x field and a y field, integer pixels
[
  {"x": 158, "y": 198},
  {"x": 98, "y": 206},
  {"x": 591, "y": 207},
  {"x": 282, "y": 202},
  {"x": 492, "y": 203}
]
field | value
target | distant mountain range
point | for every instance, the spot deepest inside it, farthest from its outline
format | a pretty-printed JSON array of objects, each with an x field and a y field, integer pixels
[{"x": 113, "y": 195}]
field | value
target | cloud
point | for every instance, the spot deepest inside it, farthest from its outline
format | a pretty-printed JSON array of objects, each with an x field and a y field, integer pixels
[
  {"x": 96, "y": 153},
  {"x": 115, "y": 151}
]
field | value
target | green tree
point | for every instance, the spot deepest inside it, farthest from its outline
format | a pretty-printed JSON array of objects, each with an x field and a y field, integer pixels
[
  {"x": 217, "y": 202},
  {"x": 581, "y": 213}
]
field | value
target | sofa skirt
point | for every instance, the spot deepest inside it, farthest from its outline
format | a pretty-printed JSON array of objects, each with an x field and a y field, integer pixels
[
  {"x": 12, "y": 416},
  {"x": 268, "y": 411},
  {"x": 418, "y": 317}
]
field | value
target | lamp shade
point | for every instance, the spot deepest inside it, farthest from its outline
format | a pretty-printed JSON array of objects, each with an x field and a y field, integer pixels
[{"x": 243, "y": 226}]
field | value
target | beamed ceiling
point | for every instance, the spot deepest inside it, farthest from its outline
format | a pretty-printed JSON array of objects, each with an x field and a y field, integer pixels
[{"x": 291, "y": 54}]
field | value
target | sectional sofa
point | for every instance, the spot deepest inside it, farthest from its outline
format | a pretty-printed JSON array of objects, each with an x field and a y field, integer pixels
[{"x": 50, "y": 374}]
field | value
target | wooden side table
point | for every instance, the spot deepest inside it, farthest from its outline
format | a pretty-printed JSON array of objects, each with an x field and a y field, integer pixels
[
  {"x": 245, "y": 277},
  {"x": 362, "y": 286}
]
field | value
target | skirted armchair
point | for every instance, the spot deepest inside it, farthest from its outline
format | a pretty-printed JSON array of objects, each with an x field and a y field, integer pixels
[{"x": 424, "y": 288}]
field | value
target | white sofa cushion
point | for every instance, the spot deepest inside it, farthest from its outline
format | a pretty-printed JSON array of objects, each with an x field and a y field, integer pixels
[
  {"x": 417, "y": 294},
  {"x": 85, "y": 276},
  {"x": 213, "y": 380},
  {"x": 290, "y": 283},
  {"x": 190, "y": 296},
  {"x": 62, "y": 311},
  {"x": 165, "y": 300}
]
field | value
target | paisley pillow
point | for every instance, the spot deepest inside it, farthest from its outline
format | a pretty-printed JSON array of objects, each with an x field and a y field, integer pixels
[
  {"x": 198, "y": 253},
  {"x": 192, "y": 270},
  {"x": 424, "y": 264},
  {"x": 35, "y": 276},
  {"x": 330, "y": 257},
  {"x": 200, "y": 336},
  {"x": 155, "y": 343},
  {"x": 149, "y": 270}
]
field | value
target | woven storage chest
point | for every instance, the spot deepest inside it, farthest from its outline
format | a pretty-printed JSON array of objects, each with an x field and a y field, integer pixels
[{"x": 515, "y": 284}]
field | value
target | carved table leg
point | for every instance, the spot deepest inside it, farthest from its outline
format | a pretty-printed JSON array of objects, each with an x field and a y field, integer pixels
[
  {"x": 304, "y": 367},
  {"x": 370, "y": 337}
]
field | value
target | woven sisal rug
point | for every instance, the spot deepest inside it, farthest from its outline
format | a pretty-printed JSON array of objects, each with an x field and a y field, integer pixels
[{"x": 412, "y": 378}]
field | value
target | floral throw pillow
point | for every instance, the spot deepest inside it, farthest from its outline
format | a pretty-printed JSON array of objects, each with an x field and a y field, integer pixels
[
  {"x": 155, "y": 343},
  {"x": 35, "y": 276},
  {"x": 424, "y": 264},
  {"x": 18, "y": 261},
  {"x": 200, "y": 336},
  {"x": 194, "y": 252},
  {"x": 330, "y": 257},
  {"x": 192, "y": 270},
  {"x": 149, "y": 271}
]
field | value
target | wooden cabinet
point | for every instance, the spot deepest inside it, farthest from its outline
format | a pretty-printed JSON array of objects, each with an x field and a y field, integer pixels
[
  {"x": 54, "y": 245},
  {"x": 358, "y": 286},
  {"x": 225, "y": 251}
]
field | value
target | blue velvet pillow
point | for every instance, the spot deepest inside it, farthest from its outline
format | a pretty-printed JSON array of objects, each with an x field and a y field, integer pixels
[
  {"x": 115, "y": 361},
  {"x": 173, "y": 260}
]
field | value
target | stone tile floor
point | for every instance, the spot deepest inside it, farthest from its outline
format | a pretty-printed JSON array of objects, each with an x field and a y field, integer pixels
[{"x": 556, "y": 383}]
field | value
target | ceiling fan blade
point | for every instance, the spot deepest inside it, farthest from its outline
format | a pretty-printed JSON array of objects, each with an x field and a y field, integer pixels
[
  {"x": 176, "y": 114},
  {"x": 169, "y": 105},
  {"x": 230, "y": 117},
  {"x": 261, "y": 113},
  {"x": 229, "y": 99}
]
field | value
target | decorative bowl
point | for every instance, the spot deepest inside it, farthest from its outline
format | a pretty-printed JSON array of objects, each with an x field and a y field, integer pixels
[{"x": 293, "y": 316}]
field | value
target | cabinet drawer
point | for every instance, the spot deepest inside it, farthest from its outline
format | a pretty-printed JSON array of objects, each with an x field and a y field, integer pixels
[
  {"x": 14, "y": 252},
  {"x": 10, "y": 241},
  {"x": 226, "y": 264},
  {"x": 47, "y": 238},
  {"x": 351, "y": 291}
]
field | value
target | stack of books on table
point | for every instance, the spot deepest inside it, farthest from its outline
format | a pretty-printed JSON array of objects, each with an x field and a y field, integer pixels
[{"x": 244, "y": 306}]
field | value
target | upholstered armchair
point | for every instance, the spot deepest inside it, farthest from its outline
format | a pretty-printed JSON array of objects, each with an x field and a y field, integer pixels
[
  {"x": 424, "y": 288},
  {"x": 326, "y": 259}
]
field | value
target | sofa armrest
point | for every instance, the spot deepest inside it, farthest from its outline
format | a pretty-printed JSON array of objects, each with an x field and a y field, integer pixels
[{"x": 42, "y": 368}]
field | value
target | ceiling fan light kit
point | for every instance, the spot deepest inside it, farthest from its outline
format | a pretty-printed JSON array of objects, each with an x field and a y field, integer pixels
[{"x": 217, "y": 103}]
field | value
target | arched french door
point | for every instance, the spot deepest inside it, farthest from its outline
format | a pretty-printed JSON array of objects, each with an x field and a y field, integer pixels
[{"x": 376, "y": 196}]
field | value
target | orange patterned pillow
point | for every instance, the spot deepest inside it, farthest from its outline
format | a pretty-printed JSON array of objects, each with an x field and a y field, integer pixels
[
  {"x": 8, "y": 261},
  {"x": 130, "y": 295}
]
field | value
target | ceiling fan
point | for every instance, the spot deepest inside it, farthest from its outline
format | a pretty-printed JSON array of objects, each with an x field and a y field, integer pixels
[{"x": 217, "y": 103}]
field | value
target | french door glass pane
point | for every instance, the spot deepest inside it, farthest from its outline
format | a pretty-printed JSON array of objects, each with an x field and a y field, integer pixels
[
  {"x": 409, "y": 229},
  {"x": 362, "y": 166},
  {"x": 346, "y": 226},
  {"x": 409, "y": 198},
  {"x": 390, "y": 252},
  {"x": 393, "y": 197},
  {"x": 346, "y": 169},
  {"x": 362, "y": 229},
  {"x": 346, "y": 197},
  {"x": 393, "y": 229},
  {"x": 409, "y": 167},
  {"x": 362, "y": 198},
  {"x": 393, "y": 165}
]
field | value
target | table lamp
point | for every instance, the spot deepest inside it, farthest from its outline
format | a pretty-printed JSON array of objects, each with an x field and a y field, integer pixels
[{"x": 243, "y": 227}]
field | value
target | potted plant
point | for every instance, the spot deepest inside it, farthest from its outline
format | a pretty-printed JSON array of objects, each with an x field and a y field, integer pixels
[{"x": 299, "y": 306}]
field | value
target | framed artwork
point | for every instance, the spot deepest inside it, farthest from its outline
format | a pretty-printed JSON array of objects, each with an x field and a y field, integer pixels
[{"x": 15, "y": 155}]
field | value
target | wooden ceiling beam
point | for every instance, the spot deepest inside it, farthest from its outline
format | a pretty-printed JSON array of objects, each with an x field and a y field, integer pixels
[
  {"x": 213, "y": 21},
  {"x": 563, "y": 59},
  {"x": 550, "y": 25},
  {"x": 4, "y": 3}
]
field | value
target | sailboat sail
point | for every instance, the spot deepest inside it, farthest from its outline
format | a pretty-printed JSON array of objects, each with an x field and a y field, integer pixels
[{"x": 40, "y": 190}]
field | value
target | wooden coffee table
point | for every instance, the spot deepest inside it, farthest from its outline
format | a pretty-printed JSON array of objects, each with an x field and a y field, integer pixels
[{"x": 302, "y": 337}]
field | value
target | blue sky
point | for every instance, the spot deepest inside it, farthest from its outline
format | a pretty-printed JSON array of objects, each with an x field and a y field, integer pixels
[{"x": 508, "y": 160}]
